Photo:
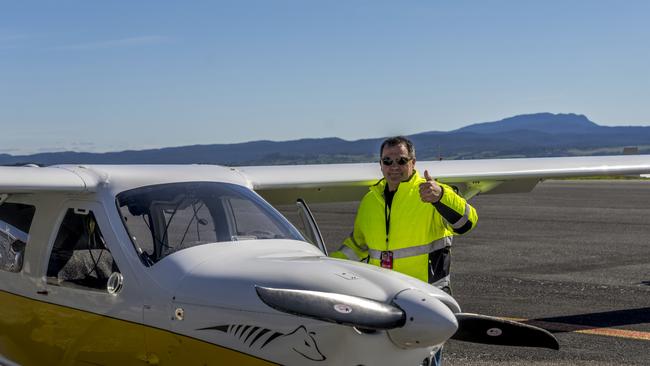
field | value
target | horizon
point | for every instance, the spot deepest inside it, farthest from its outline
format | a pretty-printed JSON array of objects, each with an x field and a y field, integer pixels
[
  {"x": 319, "y": 138},
  {"x": 150, "y": 75}
]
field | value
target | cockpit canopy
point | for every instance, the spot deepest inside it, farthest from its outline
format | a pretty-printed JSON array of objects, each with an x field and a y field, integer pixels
[{"x": 163, "y": 219}]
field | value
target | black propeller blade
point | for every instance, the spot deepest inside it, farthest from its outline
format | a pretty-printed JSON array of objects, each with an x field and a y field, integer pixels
[
  {"x": 490, "y": 330},
  {"x": 334, "y": 308}
]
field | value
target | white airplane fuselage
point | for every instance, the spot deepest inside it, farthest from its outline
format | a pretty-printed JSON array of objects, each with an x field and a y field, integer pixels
[
  {"x": 186, "y": 264},
  {"x": 196, "y": 305}
]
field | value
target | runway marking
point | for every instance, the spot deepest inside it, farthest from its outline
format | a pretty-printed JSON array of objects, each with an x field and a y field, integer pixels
[{"x": 575, "y": 328}]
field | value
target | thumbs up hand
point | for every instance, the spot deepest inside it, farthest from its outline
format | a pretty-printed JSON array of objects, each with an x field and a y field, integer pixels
[
  {"x": 430, "y": 191},
  {"x": 427, "y": 176}
]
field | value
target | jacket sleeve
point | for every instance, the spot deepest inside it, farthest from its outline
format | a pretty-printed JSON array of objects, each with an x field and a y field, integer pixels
[
  {"x": 354, "y": 246},
  {"x": 459, "y": 214}
]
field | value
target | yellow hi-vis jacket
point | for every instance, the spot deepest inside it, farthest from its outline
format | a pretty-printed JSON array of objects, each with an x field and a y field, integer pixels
[{"x": 416, "y": 228}]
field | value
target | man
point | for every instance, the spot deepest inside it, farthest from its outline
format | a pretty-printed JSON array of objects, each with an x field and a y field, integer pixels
[{"x": 406, "y": 222}]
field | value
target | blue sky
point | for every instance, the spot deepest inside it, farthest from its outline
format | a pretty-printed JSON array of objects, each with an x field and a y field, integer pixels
[{"x": 94, "y": 75}]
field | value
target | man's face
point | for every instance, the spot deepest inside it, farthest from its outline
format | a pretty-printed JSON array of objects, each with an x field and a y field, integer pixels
[{"x": 396, "y": 173}]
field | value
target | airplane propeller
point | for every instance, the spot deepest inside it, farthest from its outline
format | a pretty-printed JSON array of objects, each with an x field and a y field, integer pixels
[
  {"x": 365, "y": 313},
  {"x": 334, "y": 308},
  {"x": 477, "y": 328}
]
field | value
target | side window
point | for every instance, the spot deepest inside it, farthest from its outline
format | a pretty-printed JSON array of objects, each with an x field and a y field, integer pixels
[
  {"x": 15, "y": 221},
  {"x": 79, "y": 256}
]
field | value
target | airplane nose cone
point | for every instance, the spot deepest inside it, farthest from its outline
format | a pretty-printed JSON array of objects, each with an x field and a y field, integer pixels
[{"x": 428, "y": 321}]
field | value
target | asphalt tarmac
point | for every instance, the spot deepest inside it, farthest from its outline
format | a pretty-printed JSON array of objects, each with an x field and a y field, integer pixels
[{"x": 572, "y": 257}]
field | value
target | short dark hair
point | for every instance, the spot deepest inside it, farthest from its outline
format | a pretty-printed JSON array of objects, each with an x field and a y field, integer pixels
[{"x": 397, "y": 140}]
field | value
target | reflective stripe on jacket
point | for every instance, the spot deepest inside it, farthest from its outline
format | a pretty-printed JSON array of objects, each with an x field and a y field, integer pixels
[{"x": 416, "y": 228}]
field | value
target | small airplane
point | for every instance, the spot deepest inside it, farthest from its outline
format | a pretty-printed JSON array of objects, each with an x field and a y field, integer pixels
[{"x": 192, "y": 265}]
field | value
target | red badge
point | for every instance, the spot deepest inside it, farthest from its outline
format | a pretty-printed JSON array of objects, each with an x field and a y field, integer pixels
[{"x": 387, "y": 259}]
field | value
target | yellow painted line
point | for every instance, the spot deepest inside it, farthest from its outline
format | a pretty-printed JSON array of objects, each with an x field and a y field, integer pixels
[{"x": 583, "y": 329}]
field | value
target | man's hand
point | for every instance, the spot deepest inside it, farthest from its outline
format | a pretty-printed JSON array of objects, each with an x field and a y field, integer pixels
[{"x": 430, "y": 191}]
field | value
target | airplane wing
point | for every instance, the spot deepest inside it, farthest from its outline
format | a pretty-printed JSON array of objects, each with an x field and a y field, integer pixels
[
  {"x": 349, "y": 182},
  {"x": 28, "y": 179}
]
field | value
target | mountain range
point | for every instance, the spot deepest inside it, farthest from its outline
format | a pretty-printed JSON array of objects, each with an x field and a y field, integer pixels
[{"x": 530, "y": 135}]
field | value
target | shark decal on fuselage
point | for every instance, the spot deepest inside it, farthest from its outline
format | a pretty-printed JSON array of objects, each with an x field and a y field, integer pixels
[{"x": 299, "y": 340}]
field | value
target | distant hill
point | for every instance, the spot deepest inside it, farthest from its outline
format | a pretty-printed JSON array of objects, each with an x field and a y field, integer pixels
[
  {"x": 531, "y": 135},
  {"x": 541, "y": 122}
]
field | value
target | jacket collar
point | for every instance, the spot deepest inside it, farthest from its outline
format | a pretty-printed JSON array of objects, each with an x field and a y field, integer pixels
[{"x": 378, "y": 188}]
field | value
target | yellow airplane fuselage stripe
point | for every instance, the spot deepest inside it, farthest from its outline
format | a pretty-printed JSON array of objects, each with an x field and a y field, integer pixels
[{"x": 38, "y": 333}]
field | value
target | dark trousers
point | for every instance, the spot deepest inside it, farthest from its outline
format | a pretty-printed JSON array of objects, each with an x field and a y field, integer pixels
[{"x": 439, "y": 266}]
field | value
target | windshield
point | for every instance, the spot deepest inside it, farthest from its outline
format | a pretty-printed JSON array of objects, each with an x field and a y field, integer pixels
[{"x": 163, "y": 219}]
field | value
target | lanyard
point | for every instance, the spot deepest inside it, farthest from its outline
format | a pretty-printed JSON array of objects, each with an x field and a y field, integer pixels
[
  {"x": 387, "y": 216},
  {"x": 388, "y": 197}
]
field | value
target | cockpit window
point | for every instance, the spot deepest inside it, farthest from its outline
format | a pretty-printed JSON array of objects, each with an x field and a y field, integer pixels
[
  {"x": 80, "y": 257},
  {"x": 163, "y": 219}
]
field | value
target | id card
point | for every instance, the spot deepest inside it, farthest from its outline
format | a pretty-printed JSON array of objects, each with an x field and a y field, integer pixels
[{"x": 387, "y": 259}]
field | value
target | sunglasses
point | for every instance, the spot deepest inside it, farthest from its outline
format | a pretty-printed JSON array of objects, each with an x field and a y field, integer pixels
[{"x": 401, "y": 161}]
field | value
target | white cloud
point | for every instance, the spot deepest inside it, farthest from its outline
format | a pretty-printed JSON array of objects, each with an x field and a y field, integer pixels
[
  {"x": 10, "y": 41},
  {"x": 6, "y": 38},
  {"x": 118, "y": 43}
]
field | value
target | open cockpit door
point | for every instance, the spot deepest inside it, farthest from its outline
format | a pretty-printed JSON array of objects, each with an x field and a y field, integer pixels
[{"x": 311, "y": 231}]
